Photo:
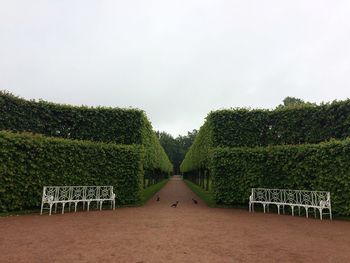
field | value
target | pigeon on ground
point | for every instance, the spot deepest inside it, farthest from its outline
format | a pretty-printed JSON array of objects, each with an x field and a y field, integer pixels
[
  {"x": 158, "y": 198},
  {"x": 194, "y": 201},
  {"x": 175, "y": 204}
]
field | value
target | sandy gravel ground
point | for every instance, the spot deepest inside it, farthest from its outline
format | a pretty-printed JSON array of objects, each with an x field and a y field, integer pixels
[{"x": 158, "y": 233}]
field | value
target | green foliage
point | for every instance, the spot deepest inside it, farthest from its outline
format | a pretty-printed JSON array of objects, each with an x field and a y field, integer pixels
[
  {"x": 308, "y": 124},
  {"x": 171, "y": 147},
  {"x": 155, "y": 156},
  {"x": 250, "y": 128},
  {"x": 292, "y": 102},
  {"x": 324, "y": 166},
  {"x": 198, "y": 155},
  {"x": 206, "y": 196},
  {"x": 28, "y": 162},
  {"x": 185, "y": 141},
  {"x": 290, "y": 147},
  {"x": 176, "y": 148},
  {"x": 120, "y": 126},
  {"x": 150, "y": 191}
]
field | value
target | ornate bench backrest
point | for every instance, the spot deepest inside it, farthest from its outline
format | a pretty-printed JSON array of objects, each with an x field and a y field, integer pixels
[
  {"x": 322, "y": 198},
  {"x": 77, "y": 193},
  {"x": 106, "y": 192},
  {"x": 49, "y": 193},
  {"x": 287, "y": 196}
]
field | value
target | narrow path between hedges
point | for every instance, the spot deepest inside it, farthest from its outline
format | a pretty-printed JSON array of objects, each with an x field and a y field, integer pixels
[{"x": 158, "y": 233}]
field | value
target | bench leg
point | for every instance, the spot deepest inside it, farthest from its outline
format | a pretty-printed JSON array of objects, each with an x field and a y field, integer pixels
[
  {"x": 283, "y": 209},
  {"x": 268, "y": 208},
  {"x": 292, "y": 210},
  {"x": 264, "y": 205},
  {"x": 330, "y": 214},
  {"x": 84, "y": 205},
  {"x": 50, "y": 208},
  {"x": 299, "y": 210},
  {"x": 315, "y": 212},
  {"x": 253, "y": 207},
  {"x": 320, "y": 209},
  {"x": 69, "y": 206},
  {"x": 63, "y": 205},
  {"x": 307, "y": 212},
  {"x": 55, "y": 208},
  {"x": 101, "y": 205},
  {"x": 75, "y": 208},
  {"x": 250, "y": 207},
  {"x": 278, "y": 208},
  {"x": 113, "y": 204},
  {"x": 42, "y": 206},
  {"x": 88, "y": 206}
]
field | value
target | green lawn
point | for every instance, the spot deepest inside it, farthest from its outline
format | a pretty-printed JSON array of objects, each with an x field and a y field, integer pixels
[
  {"x": 147, "y": 193},
  {"x": 206, "y": 196}
]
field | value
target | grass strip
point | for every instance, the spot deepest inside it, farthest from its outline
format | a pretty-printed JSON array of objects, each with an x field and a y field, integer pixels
[
  {"x": 147, "y": 193},
  {"x": 206, "y": 196}
]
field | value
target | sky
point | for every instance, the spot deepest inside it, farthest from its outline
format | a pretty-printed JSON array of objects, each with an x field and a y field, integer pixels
[{"x": 176, "y": 60}]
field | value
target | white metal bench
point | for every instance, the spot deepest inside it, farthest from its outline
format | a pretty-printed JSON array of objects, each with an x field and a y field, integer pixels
[
  {"x": 318, "y": 200},
  {"x": 54, "y": 195}
]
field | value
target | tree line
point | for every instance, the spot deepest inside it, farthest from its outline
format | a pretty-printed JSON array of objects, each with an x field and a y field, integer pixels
[{"x": 176, "y": 148}]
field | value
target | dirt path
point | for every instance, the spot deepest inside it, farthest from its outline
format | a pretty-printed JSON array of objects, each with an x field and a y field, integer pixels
[{"x": 158, "y": 233}]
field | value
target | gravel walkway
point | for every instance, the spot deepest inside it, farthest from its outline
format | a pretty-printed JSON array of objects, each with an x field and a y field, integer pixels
[{"x": 158, "y": 233}]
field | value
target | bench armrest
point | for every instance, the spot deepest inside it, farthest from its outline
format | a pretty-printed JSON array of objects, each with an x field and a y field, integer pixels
[
  {"x": 48, "y": 199},
  {"x": 324, "y": 203}
]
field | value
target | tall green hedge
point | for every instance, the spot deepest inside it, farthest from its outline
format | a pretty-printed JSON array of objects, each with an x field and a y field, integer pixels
[
  {"x": 250, "y": 128},
  {"x": 28, "y": 162},
  {"x": 120, "y": 126},
  {"x": 324, "y": 166},
  {"x": 198, "y": 155},
  {"x": 239, "y": 149},
  {"x": 298, "y": 125},
  {"x": 155, "y": 156}
]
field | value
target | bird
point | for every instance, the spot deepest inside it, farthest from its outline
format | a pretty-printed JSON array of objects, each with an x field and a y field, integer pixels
[
  {"x": 158, "y": 198},
  {"x": 194, "y": 201},
  {"x": 175, "y": 204}
]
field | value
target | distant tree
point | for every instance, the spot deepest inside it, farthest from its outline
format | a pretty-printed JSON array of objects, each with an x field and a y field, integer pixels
[
  {"x": 176, "y": 148},
  {"x": 187, "y": 140},
  {"x": 292, "y": 102},
  {"x": 171, "y": 147}
]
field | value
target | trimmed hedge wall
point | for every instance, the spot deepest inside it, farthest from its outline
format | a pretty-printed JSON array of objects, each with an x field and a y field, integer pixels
[
  {"x": 298, "y": 125},
  {"x": 155, "y": 156},
  {"x": 250, "y": 128},
  {"x": 28, "y": 162},
  {"x": 198, "y": 155},
  {"x": 120, "y": 126},
  {"x": 236, "y": 150},
  {"x": 324, "y": 166}
]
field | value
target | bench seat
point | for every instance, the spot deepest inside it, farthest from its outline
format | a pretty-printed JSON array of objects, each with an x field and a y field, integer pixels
[
  {"x": 54, "y": 195},
  {"x": 318, "y": 200}
]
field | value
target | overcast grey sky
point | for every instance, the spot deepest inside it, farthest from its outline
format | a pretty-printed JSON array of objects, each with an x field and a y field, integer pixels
[{"x": 177, "y": 60}]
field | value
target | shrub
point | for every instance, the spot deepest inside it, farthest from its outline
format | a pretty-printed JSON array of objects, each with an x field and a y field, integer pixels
[
  {"x": 298, "y": 125},
  {"x": 236, "y": 150},
  {"x": 250, "y": 128},
  {"x": 120, "y": 126},
  {"x": 324, "y": 166},
  {"x": 28, "y": 162}
]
